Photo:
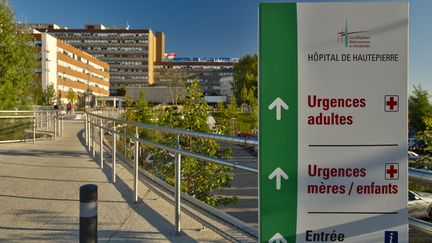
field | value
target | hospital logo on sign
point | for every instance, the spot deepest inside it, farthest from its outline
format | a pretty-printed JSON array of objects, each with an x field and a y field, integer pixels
[{"x": 353, "y": 39}]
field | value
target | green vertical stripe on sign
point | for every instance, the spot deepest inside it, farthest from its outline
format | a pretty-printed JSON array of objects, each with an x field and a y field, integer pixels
[{"x": 278, "y": 135}]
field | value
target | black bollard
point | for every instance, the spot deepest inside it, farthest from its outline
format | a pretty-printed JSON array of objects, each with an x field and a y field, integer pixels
[{"x": 88, "y": 213}]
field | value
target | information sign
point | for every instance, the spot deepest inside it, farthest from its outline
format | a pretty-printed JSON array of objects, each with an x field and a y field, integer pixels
[{"x": 333, "y": 122}]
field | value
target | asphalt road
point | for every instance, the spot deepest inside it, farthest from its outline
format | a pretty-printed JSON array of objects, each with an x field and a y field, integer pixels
[{"x": 244, "y": 186}]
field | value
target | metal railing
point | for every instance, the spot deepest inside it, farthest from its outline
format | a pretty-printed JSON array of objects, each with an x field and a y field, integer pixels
[
  {"x": 419, "y": 175},
  {"x": 100, "y": 120},
  {"x": 48, "y": 123}
]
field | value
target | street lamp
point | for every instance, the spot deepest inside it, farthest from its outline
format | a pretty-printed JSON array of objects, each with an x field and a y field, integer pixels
[{"x": 88, "y": 95}]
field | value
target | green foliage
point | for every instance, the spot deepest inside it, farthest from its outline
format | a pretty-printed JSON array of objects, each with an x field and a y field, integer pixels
[
  {"x": 245, "y": 76},
  {"x": 425, "y": 160},
  {"x": 45, "y": 97},
  {"x": 138, "y": 110},
  {"x": 220, "y": 106},
  {"x": 49, "y": 95},
  {"x": 143, "y": 111},
  {"x": 37, "y": 93},
  {"x": 17, "y": 62},
  {"x": 71, "y": 96},
  {"x": 246, "y": 122},
  {"x": 15, "y": 129},
  {"x": 426, "y": 134},
  {"x": 419, "y": 109},
  {"x": 230, "y": 121},
  {"x": 240, "y": 122},
  {"x": 232, "y": 108},
  {"x": 199, "y": 179},
  {"x": 129, "y": 113},
  {"x": 419, "y": 187}
]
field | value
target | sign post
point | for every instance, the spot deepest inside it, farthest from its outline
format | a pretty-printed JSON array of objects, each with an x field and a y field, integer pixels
[{"x": 333, "y": 122}]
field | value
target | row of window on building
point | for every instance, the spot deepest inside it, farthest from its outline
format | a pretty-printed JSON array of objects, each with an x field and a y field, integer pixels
[
  {"x": 106, "y": 34},
  {"x": 190, "y": 74},
  {"x": 129, "y": 70},
  {"x": 195, "y": 67},
  {"x": 115, "y": 48},
  {"x": 140, "y": 84},
  {"x": 66, "y": 76},
  {"x": 124, "y": 63},
  {"x": 103, "y": 55},
  {"x": 92, "y": 41},
  {"x": 123, "y": 77},
  {"x": 80, "y": 59},
  {"x": 80, "y": 70}
]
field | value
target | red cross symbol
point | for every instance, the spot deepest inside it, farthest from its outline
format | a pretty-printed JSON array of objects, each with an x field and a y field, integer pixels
[
  {"x": 391, "y": 103},
  {"x": 392, "y": 171}
]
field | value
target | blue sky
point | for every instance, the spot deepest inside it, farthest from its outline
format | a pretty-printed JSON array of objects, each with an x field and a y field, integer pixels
[{"x": 222, "y": 28}]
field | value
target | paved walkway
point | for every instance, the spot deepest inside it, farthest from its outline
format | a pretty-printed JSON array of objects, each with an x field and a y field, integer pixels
[{"x": 39, "y": 197}]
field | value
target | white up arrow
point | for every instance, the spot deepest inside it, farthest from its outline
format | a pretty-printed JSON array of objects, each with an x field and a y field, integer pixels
[
  {"x": 277, "y": 238},
  {"x": 278, "y": 173},
  {"x": 278, "y": 103}
]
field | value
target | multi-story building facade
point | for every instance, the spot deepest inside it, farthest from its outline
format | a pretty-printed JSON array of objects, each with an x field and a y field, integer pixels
[
  {"x": 65, "y": 68},
  {"x": 213, "y": 74},
  {"x": 131, "y": 53}
]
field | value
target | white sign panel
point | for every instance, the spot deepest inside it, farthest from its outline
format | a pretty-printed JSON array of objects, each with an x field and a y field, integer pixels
[{"x": 352, "y": 122}]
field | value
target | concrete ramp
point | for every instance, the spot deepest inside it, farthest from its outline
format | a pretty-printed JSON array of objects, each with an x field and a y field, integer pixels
[{"x": 39, "y": 197}]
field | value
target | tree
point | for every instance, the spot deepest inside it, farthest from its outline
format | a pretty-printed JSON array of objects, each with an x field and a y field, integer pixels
[
  {"x": 138, "y": 110},
  {"x": 245, "y": 76},
  {"x": 199, "y": 179},
  {"x": 143, "y": 111},
  {"x": 17, "y": 61},
  {"x": 48, "y": 96},
  {"x": 419, "y": 109},
  {"x": 231, "y": 116},
  {"x": 71, "y": 96},
  {"x": 425, "y": 136},
  {"x": 175, "y": 81}
]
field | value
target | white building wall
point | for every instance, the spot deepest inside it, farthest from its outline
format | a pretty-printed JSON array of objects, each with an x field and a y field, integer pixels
[{"x": 49, "y": 61}]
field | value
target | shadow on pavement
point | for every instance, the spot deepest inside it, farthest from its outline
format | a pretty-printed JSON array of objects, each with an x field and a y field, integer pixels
[{"x": 141, "y": 208}]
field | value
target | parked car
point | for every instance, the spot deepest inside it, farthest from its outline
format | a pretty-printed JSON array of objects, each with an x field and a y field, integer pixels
[
  {"x": 412, "y": 156},
  {"x": 412, "y": 142},
  {"x": 418, "y": 146},
  {"x": 418, "y": 206}
]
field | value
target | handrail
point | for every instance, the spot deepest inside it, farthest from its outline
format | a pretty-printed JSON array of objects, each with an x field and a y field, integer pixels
[
  {"x": 51, "y": 118},
  {"x": 176, "y": 150},
  {"x": 19, "y": 111},
  {"x": 420, "y": 224},
  {"x": 420, "y": 175},
  {"x": 184, "y": 152},
  {"x": 218, "y": 137},
  {"x": 8, "y": 117}
]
